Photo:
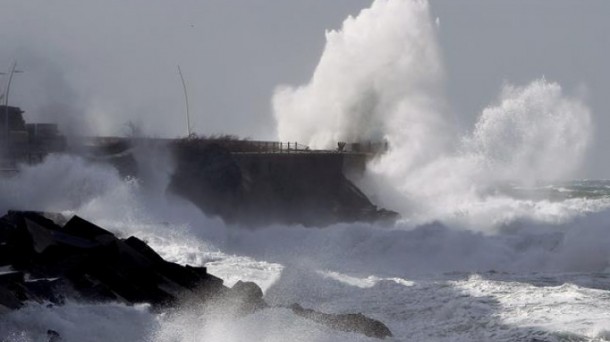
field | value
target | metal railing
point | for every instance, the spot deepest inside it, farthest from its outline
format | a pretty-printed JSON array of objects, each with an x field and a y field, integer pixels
[
  {"x": 272, "y": 147},
  {"x": 236, "y": 145}
]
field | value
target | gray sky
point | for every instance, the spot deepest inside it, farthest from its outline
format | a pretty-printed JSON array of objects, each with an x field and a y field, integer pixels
[
  {"x": 486, "y": 43},
  {"x": 94, "y": 65}
]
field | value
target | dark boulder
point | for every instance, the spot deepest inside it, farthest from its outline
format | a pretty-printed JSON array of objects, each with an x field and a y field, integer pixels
[
  {"x": 248, "y": 290},
  {"x": 53, "y": 336},
  {"x": 11, "y": 291},
  {"x": 5, "y": 254},
  {"x": 77, "y": 226},
  {"x": 82, "y": 260},
  {"x": 51, "y": 259},
  {"x": 142, "y": 248},
  {"x": 358, "y": 323},
  {"x": 47, "y": 290},
  {"x": 248, "y": 295}
]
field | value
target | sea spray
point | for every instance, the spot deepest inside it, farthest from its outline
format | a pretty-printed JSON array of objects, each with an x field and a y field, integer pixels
[
  {"x": 535, "y": 134},
  {"x": 380, "y": 78},
  {"x": 59, "y": 183},
  {"x": 536, "y": 235},
  {"x": 94, "y": 322},
  {"x": 417, "y": 276}
]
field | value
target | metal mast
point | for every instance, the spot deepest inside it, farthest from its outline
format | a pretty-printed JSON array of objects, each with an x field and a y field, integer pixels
[
  {"x": 13, "y": 71},
  {"x": 186, "y": 100},
  {"x": 10, "y": 79}
]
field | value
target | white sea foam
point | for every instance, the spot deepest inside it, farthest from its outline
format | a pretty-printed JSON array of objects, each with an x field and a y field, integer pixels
[
  {"x": 540, "y": 265},
  {"x": 79, "y": 322},
  {"x": 405, "y": 276}
]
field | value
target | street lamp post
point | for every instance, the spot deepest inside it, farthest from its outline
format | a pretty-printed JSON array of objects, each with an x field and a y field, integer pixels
[
  {"x": 13, "y": 71},
  {"x": 186, "y": 100},
  {"x": 10, "y": 79}
]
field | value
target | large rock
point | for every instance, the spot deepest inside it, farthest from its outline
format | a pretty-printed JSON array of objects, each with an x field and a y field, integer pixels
[
  {"x": 11, "y": 291},
  {"x": 50, "y": 259},
  {"x": 248, "y": 295},
  {"x": 88, "y": 262},
  {"x": 358, "y": 323}
]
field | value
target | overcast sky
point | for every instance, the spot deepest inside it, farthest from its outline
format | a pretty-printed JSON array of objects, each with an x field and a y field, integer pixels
[{"x": 95, "y": 65}]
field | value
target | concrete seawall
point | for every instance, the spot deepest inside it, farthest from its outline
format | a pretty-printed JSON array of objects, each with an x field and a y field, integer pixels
[
  {"x": 243, "y": 182},
  {"x": 308, "y": 188}
]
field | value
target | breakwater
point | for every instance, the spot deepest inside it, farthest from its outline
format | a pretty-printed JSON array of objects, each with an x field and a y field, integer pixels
[
  {"x": 252, "y": 183},
  {"x": 244, "y": 182}
]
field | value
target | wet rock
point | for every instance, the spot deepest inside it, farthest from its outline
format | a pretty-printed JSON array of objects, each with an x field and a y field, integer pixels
[
  {"x": 358, "y": 323},
  {"x": 142, "y": 248},
  {"x": 82, "y": 260},
  {"x": 53, "y": 336},
  {"x": 249, "y": 295},
  {"x": 79, "y": 227},
  {"x": 8, "y": 300},
  {"x": 46, "y": 290},
  {"x": 11, "y": 291},
  {"x": 248, "y": 290},
  {"x": 51, "y": 259},
  {"x": 4, "y": 254}
]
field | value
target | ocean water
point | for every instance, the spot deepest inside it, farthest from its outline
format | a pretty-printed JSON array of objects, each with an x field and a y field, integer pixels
[
  {"x": 538, "y": 277},
  {"x": 495, "y": 243}
]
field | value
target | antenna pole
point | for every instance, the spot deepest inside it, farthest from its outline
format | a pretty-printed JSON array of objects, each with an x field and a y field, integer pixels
[
  {"x": 8, "y": 89},
  {"x": 186, "y": 100},
  {"x": 10, "y": 79}
]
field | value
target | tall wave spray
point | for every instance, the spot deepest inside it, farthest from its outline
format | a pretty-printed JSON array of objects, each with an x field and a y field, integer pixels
[
  {"x": 381, "y": 77},
  {"x": 378, "y": 77},
  {"x": 533, "y": 134}
]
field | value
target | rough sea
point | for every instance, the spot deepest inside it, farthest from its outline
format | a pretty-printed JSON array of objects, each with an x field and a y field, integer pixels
[
  {"x": 493, "y": 245},
  {"x": 542, "y": 275}
]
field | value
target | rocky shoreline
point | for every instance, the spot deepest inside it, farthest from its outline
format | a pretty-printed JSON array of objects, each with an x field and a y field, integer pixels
[{"x": 48, "y": 258}]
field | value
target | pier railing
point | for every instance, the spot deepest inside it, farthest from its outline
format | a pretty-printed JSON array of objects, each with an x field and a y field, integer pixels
[
  {"x": 273, "y": 147},
  {"x": 236, "y": 145},
  {"x": 249, "y": 146}
]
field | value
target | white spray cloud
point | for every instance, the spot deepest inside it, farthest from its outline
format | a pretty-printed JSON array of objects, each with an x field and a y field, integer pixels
[
  {"x": 374, "y": 79},
  {"x": 381, "y": 77},
  {"x": 534, "y": 133}
]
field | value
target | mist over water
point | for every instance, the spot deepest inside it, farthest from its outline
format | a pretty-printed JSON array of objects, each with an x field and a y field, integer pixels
[
  {"x": 378, "y": 77},
  {"x": 530, "y": 133},
  {"x": 381, "y": 77},
  {"x": 485, "y": 250},
  {"x": 379, "y": 271},
  {"x": 534, "y": 134}
]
